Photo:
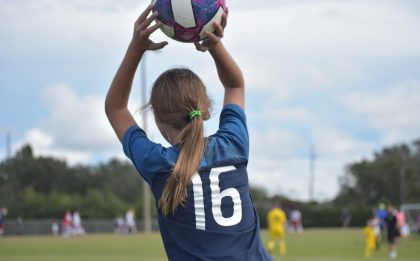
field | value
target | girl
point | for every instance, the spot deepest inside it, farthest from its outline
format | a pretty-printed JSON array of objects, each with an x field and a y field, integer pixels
[{"x": 200, "y": 184}]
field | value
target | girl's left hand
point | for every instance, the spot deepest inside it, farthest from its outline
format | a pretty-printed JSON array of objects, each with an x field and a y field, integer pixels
[{"x": 213, "y": 39}]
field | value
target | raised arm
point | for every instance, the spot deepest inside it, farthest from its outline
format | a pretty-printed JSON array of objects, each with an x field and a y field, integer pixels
[
  {"x": 117, "y": 98},
  {"x": 229, "y": 72}
]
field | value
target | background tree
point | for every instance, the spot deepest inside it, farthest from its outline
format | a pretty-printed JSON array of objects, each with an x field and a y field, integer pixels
[{"x": 392, "y": 176}]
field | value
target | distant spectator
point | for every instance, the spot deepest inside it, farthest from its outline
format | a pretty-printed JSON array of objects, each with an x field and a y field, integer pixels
[
  {"x": 119, "y": 225},
  {"x": 418, "y": 223},
  {"x": 130, "y": 221},
  {"x": 77, "y": 224},
  {"x": 55, "y": 230},
  {"x": 19, "y": 227},
  {"x": 345, "y": 217},
  {"x": 67, "y": 223},
  {"x": 296, "y": 219}
]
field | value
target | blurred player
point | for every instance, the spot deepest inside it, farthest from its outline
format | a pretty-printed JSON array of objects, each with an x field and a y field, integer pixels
[
  {"x": 381, "y": 213},
  {"x": 370, "y": 238},
  {"x": 296, "y": 219},
  {"x": 3, "y": 213},
  {"x": 402, "y": 224},
  {"x": 67, "y": 224},
  {"x": 393, "y": 232},
  {"x": 276, "y": 220}
]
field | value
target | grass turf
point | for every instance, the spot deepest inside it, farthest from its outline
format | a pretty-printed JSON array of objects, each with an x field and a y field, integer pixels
[{"x": 313, "y": 245}]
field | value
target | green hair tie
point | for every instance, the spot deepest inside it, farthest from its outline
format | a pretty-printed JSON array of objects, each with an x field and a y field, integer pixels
[{"x": 194, "y": 113}]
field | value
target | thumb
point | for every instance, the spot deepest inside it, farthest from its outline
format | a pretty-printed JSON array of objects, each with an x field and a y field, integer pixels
[{"x": 157, "y": 46}]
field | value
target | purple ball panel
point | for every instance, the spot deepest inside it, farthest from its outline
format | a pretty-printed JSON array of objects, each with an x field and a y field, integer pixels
[
  {"x": 165, "y": 13},
  {"x": 205, "y": 10}
]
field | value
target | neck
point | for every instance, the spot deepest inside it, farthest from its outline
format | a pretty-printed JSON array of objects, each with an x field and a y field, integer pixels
[
  {"x": 169, "y": 133},
  {"x": 173, "y": 136}
]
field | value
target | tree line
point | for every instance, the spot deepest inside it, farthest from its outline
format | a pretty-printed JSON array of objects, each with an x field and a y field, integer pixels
[{"x": 45, "y": 187}]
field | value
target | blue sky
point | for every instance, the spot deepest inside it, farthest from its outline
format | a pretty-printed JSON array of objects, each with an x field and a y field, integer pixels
[{"x": 343, "y": 76}]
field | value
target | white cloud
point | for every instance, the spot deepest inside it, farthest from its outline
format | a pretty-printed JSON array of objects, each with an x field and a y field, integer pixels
[
  {"x": 291, "y": 114},
  {"x": 286, "y": 176},
  {"x": 311, "y": 45},
  {"x": 61, "y": 28},
  {"x": 77, "y": 128},
  {"x": 319, "y": 28},
  {"x": 77, "y": 122},
  {"x": 339, "y": 145},
  {"x": 279, "y": 160},
  {"x": 275, "y": 163},
  {"x": 275, "y": 143},
  {"x": 43, "y": 145},
  {"x": 39, "y": 139},
  {"x": 392, "y": 111}
]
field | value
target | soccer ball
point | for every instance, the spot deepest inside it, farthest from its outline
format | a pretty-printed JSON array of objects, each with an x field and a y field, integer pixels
[{"x": 187, "y": 20}]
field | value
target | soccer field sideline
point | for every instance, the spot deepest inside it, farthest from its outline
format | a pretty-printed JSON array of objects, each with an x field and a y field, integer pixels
[{"x": 313, "y": 245}]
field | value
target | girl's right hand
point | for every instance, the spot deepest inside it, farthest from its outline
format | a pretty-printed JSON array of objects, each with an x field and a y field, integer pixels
[{"x": 143, "y": 30}]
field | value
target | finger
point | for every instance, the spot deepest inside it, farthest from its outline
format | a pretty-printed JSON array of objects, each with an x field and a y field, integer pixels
[
  {"x": 205, "y": 42},
  {"x": 149, "y": 20},
  {"x": 212, "y": 37},
  {"x": 223, "y": 23},
  {"x": 144, "y": 15},
  {"x": 153, "y": 28},
  {"x": 218, "y": 29},
  {"x": 157, "y": 46},
  {"x": 200, "y": 47}
]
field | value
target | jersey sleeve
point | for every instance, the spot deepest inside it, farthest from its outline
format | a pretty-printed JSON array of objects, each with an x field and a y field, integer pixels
[
  {"x": 148, "y": 157},
  {"x": 233, "y": 127}
]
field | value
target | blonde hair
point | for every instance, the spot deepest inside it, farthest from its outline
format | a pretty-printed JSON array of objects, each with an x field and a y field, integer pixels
[{"x": 175, "y": 94}]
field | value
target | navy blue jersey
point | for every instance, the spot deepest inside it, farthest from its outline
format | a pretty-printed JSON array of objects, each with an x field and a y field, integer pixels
[{"x": 218, "y": 220}]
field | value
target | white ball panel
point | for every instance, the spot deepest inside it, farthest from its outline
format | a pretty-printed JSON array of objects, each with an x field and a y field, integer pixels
[
  {"x": 168, "y": 30},
  {"x": 183, "y": 13},
  {"x": 209, "y": 26}
]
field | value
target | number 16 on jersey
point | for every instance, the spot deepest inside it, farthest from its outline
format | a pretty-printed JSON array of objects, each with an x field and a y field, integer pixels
[{"x": 216, "y": 200}]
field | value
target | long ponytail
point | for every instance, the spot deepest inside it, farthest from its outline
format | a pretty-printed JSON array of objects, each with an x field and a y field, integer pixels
[
  {"x": 191, "y": 151},
  {"x": 175, "y": 94}
]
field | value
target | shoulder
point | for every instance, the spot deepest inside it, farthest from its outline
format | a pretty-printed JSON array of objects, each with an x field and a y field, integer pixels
[
  {"x": 231, "y": 142},
  {"x": 147, "y": 156},
  {"x": 232, "y": 112}
]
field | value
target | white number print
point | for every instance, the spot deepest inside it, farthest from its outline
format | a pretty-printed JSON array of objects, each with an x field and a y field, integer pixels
[
  {"x": 200, "y": 216},
  {"x": 216, "y": 200}
]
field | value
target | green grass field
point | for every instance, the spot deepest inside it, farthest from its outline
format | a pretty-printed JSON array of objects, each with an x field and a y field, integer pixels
[{"x": 313, "y": 245}]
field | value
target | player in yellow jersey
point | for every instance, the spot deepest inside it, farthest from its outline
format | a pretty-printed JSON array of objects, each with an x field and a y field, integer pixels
[
  {"x": 276, "y": 220},
  {"x": 370, "y": 238}
]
